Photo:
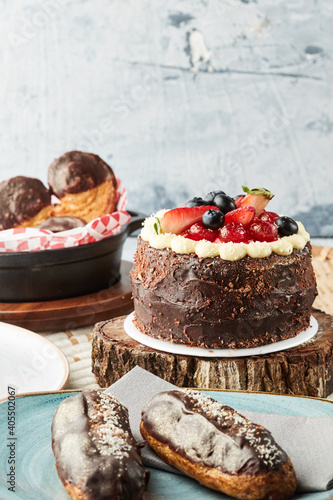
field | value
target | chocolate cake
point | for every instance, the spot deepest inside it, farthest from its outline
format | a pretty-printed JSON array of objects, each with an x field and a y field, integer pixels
[
  {"x": 217, "y": 303},
  {"x": 222, "y": 294}
]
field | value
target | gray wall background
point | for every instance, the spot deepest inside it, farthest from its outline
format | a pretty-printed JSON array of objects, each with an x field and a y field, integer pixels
[{"x": 180, "y": 97}]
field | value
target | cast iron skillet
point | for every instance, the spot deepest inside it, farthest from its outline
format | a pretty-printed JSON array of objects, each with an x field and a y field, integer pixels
[{"x": 64, "y": 272}]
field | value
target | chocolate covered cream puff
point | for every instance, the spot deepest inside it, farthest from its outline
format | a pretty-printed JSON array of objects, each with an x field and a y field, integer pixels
[
  {"x": 24, "y": 202},
  {"x": 85, "y": 185},
  {"x": 58, "y": 224}
]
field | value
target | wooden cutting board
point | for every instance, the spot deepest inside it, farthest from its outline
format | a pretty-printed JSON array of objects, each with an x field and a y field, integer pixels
[
  {"x": 67, "y": 314},
  {"x": 304, "y": 370}
]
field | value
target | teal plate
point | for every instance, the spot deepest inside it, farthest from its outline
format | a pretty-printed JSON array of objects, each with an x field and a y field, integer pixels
[{"x": 35, "y": 473}]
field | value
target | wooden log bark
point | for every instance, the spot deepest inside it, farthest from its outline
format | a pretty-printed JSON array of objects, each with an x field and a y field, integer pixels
[{"x": 304, "y": 370}]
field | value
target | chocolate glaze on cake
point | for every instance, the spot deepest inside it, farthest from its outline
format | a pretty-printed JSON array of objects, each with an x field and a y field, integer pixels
[
  {"x": 58, "y": 224},
  {"x": 75, "y": 172},
  {"x": 211, "y": 433},
  {"x": 210, "y": 302},
  {"x": 21, "y": 198},
  {"x": 95, "y": 450}
]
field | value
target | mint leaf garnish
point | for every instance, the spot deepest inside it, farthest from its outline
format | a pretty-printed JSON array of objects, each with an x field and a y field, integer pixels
[{"x": 157, "y": 226}]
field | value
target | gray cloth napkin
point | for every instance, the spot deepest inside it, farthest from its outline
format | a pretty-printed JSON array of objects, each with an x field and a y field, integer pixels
[{"x": 307, "y": 440}]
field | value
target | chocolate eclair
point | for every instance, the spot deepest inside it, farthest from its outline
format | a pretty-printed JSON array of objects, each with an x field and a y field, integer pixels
[
  {"x": 85, "y": 185},
  {"x": 96, "y": 454},
  {"x": 217, "y": 446},
  {"x": 24, "y": 202}
]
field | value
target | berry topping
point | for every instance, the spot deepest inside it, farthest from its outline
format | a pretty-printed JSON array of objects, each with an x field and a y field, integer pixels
[
  {"x": 219, "y": 218},
  {"x": 209, "y": 198},
  {"x": 261, "y": 230},
  {"x": 177, "y": 220},
  {"x": 234, "y": 232},
  {"x": 257, "y": 198},
  {"x": 212, "y": 219},
  {"x": 268, "y": 216},
  {"x": 197, "y": 232},
  {"x": 195, "y": 202},
  {"x": 224, "y": 203},
  {"x": 243, "y": 215},
  {"x": 286, "y": 226},
  {"x": 238, "y": 199}
]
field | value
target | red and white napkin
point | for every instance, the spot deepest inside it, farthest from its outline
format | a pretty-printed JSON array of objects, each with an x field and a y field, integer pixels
[{"x": 30, "y": 239}]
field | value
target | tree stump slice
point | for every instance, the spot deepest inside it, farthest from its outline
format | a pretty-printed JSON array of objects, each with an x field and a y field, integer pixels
[{"x": 305, "y": 370}]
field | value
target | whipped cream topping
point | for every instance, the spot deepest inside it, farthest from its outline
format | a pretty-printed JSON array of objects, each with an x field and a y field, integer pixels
[{"x": 227, "y": 251}]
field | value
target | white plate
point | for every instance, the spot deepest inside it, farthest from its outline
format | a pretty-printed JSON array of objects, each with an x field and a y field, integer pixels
[
  {"x": 29, "y": 363},
  {"x": 186, "y": 350}
]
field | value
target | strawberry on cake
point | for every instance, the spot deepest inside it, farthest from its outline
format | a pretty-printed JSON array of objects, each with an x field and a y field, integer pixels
[{"x": 223, "y": 272}]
